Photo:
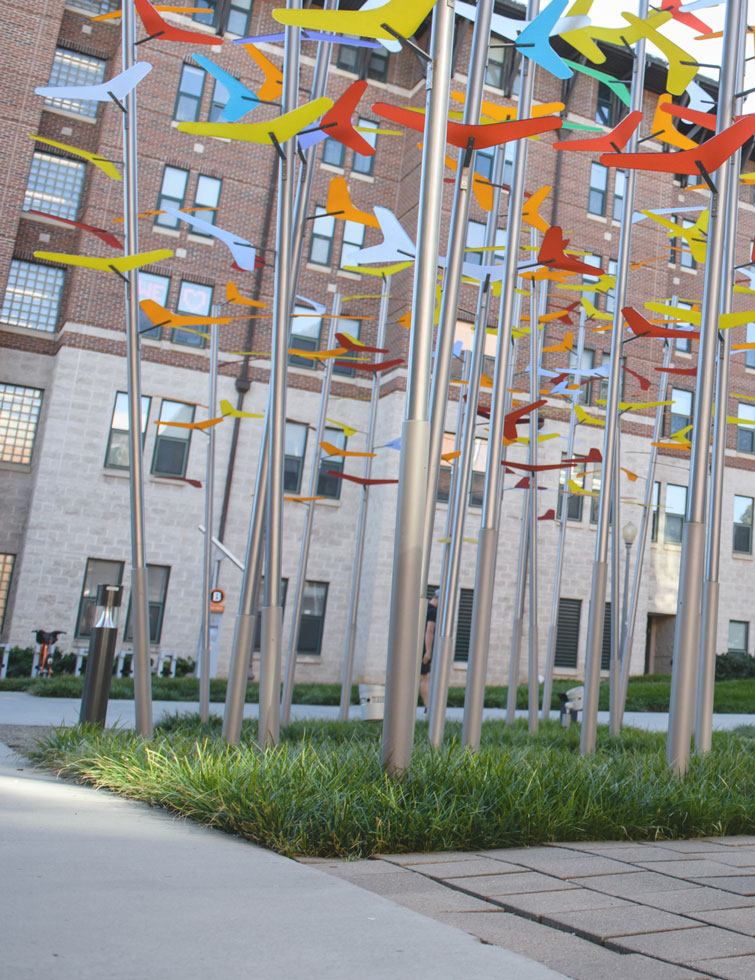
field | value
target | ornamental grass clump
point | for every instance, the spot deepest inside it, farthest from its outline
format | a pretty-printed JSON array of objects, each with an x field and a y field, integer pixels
[{"x": 322, "y": 791}]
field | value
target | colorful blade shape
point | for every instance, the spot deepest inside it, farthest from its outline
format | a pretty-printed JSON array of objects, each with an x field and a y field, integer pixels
[
  {"x": 228, "y": 410},
  {"x": 615, "y": 140},
  {"x": 232, "y": 295},
  {"x": 460, "y": 134},
  {"x": 119, "y": 263},
  {"x": 663, "y": 129},
  {"x": 207, "y": 424},
  {"x": 157, "y": 27},
  {"x": 531, "y": 210},
  {"x": 117, "y": 88},
  {"x": 684, "y": 17},
  {"x": 337, "y": 123},
  {"x": 339, "y": 205},
  {"x": 396, "y": 246},
  {"x": 694, "y": 235},
  {"x": 161, "y": 317},
  {"x": 534, "y": 41},
  {"x": 106, "y": 166},
  {"x": 106, "y": 236},
  {"x": 707, "y": 157},
  {"x": 361, "y": 480},
  {"x": 512, "y": 418},
  {"x": 352, "y": 344},
  {"x": 243, "y": 252},
  {"x": 619, "y": 89},
  {"x": 402, "y": 17},
  {"x": 271, "y": 88},
  {"x": 331, "y": 450},
  {"x": 510, "y": 28},
  {"x": 375, "y": 367},
  {"x": 266, "y": 133},
  {"x": 241, "y": 99},
  {"x": 552, "y": 253}
]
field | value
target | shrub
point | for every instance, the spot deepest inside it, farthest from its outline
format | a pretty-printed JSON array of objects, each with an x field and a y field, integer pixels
[{"x": 732, "y": 666}]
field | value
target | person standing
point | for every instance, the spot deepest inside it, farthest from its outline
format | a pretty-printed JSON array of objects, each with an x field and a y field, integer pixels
[{"x": 427, "y": 652}]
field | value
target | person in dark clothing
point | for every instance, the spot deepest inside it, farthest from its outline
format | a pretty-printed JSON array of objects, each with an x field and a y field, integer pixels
[{"x": 427, "y": 653}]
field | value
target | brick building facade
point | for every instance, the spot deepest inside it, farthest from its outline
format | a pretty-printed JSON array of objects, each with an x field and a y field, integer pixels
[{"x": 63, "y": 485}]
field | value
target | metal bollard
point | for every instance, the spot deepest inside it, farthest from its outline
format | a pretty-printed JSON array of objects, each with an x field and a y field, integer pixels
[{"x": 101, "y": 654}]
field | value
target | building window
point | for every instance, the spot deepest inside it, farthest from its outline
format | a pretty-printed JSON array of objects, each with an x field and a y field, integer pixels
[
  {"x": 596, "y": 200},
  {"x": 154, "y": 287},
  {"x": 365, "y": 164},
  {"x": 172, "y": 193},
  {"x": 484, "y": 161},
  {"x": 355, "y": 59},
  {"x": 6, "y": 573},
  {"x": 330, "y": 486},
  {"x": 750, "y": 354},
  {"x": 611, "y": 293},
  {"x": 584, "y": 395},
  {"x": 679, "y": 249},
  {"x": 312, "y": 619},
  {"x": 172, "y": 443},
  {"x": 219, "y": 101},
  {"x": 352, "y": 328},
  {"x": 739, "y": 637},
  {"x": 479, "y": 463},
  {"x": 676, "y": 506},
  {"x": 683, "y": 344},
  {"x": 333, "y": 152},
  {"x": 681, "y": 410},
  {"x": 95, "y": 6},
  {"x": 654, "y": 499},
  {"x": 567, "y": 632},
  {"x": 98, "y": 572},
  {"x": 189, "y": 95},
  {"x": 591, "y": 297},
  {"x": 157, "y": 592},
  {"x": 603, "y": 389},
  {"x": 742, "y": 525},
  {"x": 573, "y": 500},
  {"x": 746, "y": 428},
  {"x": 446, "y": 469},
  {"x": 207, "y": 195},
  {"x": 116, "y": 454},
  {"x": 54, "y": 185},
  {"x": 19, "y": 417},
  {"x": 501, "y": 71},
  {"x": 348, "y": 58},
  {"x": 595, "y": 501},
  {"x": 194, "y": 299},
  {"x": 619, "y": 190},
  {"x": 476, "y": 240},
  {"x": 353, "y": 240},
  {"x": 607, "y": 107},
  {"x": 236, "y": 20},
  {"x": 32, "y": 296},
  {"x": 321, "y": 242},
  {"x": 258, "y": 618},
  {"x": 305, "y": 335},
  {"x": 71, "y": 68},
  {"x": 293, "y": 459}
]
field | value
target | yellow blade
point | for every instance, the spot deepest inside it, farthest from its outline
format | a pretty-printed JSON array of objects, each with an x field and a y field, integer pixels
[
  {"x": 123, "y": 263},
  {"x": 283, "y": 128}
]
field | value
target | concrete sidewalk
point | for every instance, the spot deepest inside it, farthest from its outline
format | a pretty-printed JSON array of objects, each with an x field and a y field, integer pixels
[
  {"x": 18, "y": 708},
  {"x": 95, "y": 886}
]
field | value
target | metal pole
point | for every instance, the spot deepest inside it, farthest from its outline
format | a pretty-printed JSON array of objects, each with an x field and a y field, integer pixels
[
  {"x": 457, "y": 239},
  {"x": 449, "y": 600},
  {"x": 624, "y": 610},
  {"x": 518, "y": 626},
  {"x": 404, "y": 622},
  {"x": 687, "y": 634},
  {"x": 614, "y": 675},
  {"x": 626, "y": 653},
  {"x": 600, "y": 564},
  {"x": 356, "y": 575},
  {"x": 487, "y": 545},
  {"x": 711, "y": 585},
  {"x": 209, "y": 493},
  {"x": 288, "y": 677},
  {"x": 139, "y": 584},
  {"x": 272, "y": 611},
  {"x": 553, "y": 628}
]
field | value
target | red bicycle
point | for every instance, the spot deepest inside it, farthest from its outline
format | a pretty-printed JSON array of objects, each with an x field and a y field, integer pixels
[{"x": 46, "y": 642}]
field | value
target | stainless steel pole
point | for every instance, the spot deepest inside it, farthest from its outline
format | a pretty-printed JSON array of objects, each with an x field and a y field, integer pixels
[
  {"x": 711, "y": 585},
  {"x": 447, "y": 608},
  {"x": 518, "y": 619},
  {"x": 600, "y": 564},
  {"x": 288, "y": 677},
  {"x": 209, "y": 493},
  {"x": 487, "y": 545},
  {"x": 614, "y": 674},
  {"x": 457, "y": 240},
  {"x": 356, "y": 574},
  {"x": 687, "y": 634},
  {"x": 626, "y": 653},
  {"x": 139, "y": 583},
  {"x": 404, "y": 622},
  {"x": 553, "y": 628},
  {"x": 272, "y": 611}
]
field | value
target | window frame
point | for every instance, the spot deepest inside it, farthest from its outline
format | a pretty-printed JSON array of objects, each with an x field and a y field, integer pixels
[
  {"x": 304, "y": 341},
  {"x": 597, "y": 195},
  {"x": 40, "y": 171},
  {"x": 144, "y": 280},
  {"x": 201, "y": 200},
  {"x": 743, "y": 527},
  {"x": 156, "y": 606},
  {"x": 293, "y": 465},
  {"x": 316, "y": 620},
  {"x": 60, "y": 75},
  {"x": 363, "y": 163},
  {"x": 181, "y": 336},
  {"x": 26, "y": 409},
  {"x": 330, "y": 486},
  {"x": 123, "y": 397},
  {"x": 181, "y": 435},
  {"x": 739, "y": 650},
  {"x": 317, "y": 235},
  {"x": 674, "y": 537},
  {"x": 30, "y": 314},
  {"x": 680, "y": 420},
  {"x": 186, "y": 95},
  {"x": 576, "y": 473},
  {"x": 163, "y": 198},
  {"x": 746, "y": 432}
]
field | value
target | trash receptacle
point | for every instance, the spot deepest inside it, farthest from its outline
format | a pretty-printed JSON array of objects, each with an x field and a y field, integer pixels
[
  {"x": 372, "y": 701},
  {"x": 101, "y": 655}
]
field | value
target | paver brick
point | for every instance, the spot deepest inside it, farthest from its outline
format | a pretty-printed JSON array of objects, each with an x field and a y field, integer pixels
[
  {"x": 678, "y": 946},
  {"x": 737, "y": 857},
  {"x": 631, "y": 885},
  {"x": 741, "y": 884},
  {"x": 602, "y": 924},
  {"x": 691, "y": 868},
  {"x": 537, "y": 904},
  {"x": 698, "y": 899},
  {"x": 511, "y": 884},
  {"x": 730, "y": 967},
  {"x": 738, "y": 920},
  {"x": 426, "y": 858},
  {"x": 461, "y": 869},
  {"x": 738, "y": 840}
]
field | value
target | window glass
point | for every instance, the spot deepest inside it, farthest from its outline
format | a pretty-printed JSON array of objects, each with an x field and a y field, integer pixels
[
  {"x": 739, "y": 636},
  {"x": 312, "y": 620},
  {"x": 54, "y": 185},
  {"x": 194, "y": 299},
  {"x": 95, "y": 6},
  {"x": 220, "y": 96},
  {"x": 750, "y": 339},
  {"x": 189, "y": 97},
  {"x": 172, "y": 192},
  {"x": 207, "y": 196},
  {"x": 676, "y": 506},
  {"x": 98, "y": 571},
  {"x": 157, "y": 591},
  {"x": 595, "y": 260},
  {"x": 353, "y": 240},
  {"x": 365, "y": 164},
  {"x": 681, "y": 409},
  {"x": 588, "y": 362},
  {"x": 611, "y": 294},
  {"x": 619, "y": 189},
  {"x": 171, "y": 452},
  {"x": 476, "y": 240},
  {"x": 742, "y": 525},
  {"x": 321, "y": 242},
  {"x": 654, "y": 499},
  {"x": 330, "y": 486},
  {"x": 32, "y": 296},
  {"x": 479, "y": 462},
  {"x": 293, "y": 460},
  {"x": 237, "y": 16},
  {"x": 116, "y": 454},
  {"x": 574, "y": 500},
  {"x": 6, "y": 573},
  {"x": 72, "y": 68},
  {"x": 596, "y": 200},
  {"x": 305, "y": 335},
  {"x": 683, "y": 344},
  {"x": 746, "y": 429},
  {"x": 333, "y": 152},
  {"x": 606, "y": 108},
  {"x": 352, "y": 327},
  {"x": 152, "y": 287},
  {"x": 19, "y": 417}
]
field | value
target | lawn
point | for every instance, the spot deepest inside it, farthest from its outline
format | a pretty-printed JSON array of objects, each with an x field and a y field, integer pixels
[
  {"x": 322, "y": 791},
  {"x": 645, "y": 693}
]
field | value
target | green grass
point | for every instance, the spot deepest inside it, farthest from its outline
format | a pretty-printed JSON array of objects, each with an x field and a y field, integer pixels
[
  {"x": 648, "y": 693},
  {"x": 322, "y": 791}
]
